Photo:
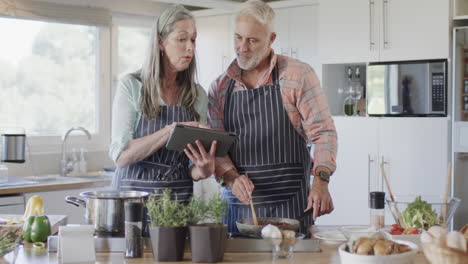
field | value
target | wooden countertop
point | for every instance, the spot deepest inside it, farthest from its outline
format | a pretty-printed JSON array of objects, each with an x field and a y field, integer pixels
[
  {"x": 329, "y": 254},
  {"x": 60, "y": 183}
]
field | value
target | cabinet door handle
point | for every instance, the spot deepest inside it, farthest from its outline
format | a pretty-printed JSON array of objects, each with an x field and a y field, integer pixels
[
  {"x": 369, "y": 161},
  {"x": 371, "y": 24},
  {"x": 385, "y": 21},
  {"x": 294, "y": 53}
]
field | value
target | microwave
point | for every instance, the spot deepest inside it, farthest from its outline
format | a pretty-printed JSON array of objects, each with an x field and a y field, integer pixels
[{"x": 407, "y": 88}]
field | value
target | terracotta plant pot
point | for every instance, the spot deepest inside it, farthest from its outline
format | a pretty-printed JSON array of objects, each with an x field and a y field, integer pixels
[
  {"x": 168, "y": 243},
  {"x": 207, "y": 242}
]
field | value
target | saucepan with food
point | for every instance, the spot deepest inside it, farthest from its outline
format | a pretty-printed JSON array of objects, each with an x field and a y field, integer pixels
[{"x": 247, "y": 227}]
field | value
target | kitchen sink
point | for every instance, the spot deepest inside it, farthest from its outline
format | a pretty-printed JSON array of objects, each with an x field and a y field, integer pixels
[{"x": 44, "y": 178}]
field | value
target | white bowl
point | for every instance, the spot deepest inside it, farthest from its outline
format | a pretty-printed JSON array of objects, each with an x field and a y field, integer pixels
[
  {"x": 413, "y": 238},
  {"x": 353, "y": 232},
  {"x": 402, "y": 258}
]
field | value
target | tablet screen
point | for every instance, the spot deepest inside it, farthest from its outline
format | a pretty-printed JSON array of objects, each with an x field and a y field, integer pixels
[{"x": 182, "y": 135}]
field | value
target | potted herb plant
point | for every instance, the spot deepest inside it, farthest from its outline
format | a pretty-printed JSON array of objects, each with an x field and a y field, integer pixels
[
  {"x": 168, "y": 229},
  {"x": 207, "y": 240}
]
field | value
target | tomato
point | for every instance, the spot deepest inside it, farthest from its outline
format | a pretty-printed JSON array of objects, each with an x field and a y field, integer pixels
[{"x": 396, "y": 232}]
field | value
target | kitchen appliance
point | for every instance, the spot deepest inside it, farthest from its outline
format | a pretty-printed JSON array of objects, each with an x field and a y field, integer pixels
[
  {"x": 106, "y": 210},
  {"x": 13, "y": 147},
  {"x": 407, "y": 88}
]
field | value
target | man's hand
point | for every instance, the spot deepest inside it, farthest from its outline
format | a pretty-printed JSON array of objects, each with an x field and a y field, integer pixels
[
  {"x": 242, "y": 188},
  {"x": 319, "y": 198}
]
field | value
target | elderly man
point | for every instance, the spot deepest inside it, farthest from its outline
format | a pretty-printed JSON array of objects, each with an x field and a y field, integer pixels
[{"x": 275, "y": 106}]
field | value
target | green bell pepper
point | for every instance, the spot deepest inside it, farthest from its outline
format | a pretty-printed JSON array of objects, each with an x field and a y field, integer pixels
[{"x": 36, "y": 229}]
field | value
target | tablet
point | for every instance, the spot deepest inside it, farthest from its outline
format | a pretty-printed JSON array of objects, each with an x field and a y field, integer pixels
[{"x": 182, "y": 135}]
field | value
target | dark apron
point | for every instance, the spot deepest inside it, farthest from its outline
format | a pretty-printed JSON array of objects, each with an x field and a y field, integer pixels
[
  {"x": 270, "y": 151},
  {"x": 164, "y": 168}
]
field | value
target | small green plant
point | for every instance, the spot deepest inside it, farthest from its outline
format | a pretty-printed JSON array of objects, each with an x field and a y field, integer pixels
[
  {"x": 217, "y": 208},
  {"x": 164, "y": 211},
  {"x": 197, "y": 210}
]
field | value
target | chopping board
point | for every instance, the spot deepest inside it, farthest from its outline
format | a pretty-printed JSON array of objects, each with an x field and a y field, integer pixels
[{"x": 55, "y": 220}]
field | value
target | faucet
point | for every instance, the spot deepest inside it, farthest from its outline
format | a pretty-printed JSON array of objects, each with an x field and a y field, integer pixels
[{"x": 65, "y": 165}]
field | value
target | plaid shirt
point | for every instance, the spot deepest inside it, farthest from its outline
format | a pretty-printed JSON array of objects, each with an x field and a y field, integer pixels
[{"x": 303, "y": 100}]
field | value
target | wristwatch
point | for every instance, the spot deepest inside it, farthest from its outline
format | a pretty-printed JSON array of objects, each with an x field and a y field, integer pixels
[{"x": 324, "y": 176}]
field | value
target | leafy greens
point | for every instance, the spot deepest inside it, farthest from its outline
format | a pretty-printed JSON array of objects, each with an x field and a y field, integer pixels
[{"x": 419, "y": 214}]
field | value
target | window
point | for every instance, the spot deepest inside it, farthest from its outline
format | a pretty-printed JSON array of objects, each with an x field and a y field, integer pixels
[
  {"x": 49, "y": 76},
  {"x": 132, "y": 47}
]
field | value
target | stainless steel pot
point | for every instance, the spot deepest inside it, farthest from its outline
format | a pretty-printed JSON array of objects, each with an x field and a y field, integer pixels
[{"x": 105, "y": 209}]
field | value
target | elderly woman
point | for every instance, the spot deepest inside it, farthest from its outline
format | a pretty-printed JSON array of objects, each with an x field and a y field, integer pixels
[{"x": 149, "y": 102}]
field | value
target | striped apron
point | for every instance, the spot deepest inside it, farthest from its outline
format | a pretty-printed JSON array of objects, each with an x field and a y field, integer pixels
[
  {"x": 270, "y": 151},
  {"x": 164, "y": 168}
]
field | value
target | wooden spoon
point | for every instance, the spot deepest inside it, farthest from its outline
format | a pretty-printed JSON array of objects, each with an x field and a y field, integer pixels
[
  {"x": 395, "y": 208},
  {"x": 447, "y": 192},
  {"x": 254, "y": 215}
]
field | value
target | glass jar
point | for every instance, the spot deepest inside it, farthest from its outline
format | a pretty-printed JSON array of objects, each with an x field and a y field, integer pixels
[
  {"x": 377, "y": 209},
  {"x": 349, "y": 106}
]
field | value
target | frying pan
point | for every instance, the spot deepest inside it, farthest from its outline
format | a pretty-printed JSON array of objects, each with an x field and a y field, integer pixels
[{"x": 247, "y": 228}]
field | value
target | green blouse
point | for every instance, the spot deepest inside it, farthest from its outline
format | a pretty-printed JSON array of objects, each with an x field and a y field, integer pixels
[{"x": 126, "y": 113}]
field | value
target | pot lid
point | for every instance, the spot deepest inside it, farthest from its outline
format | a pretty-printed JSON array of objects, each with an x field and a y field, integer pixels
[{"x": 114, "y": 194}]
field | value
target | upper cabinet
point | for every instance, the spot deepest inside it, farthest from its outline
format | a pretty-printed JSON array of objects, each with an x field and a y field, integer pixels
[
  {"x": 383, "y": 30},
  {"x": 296, "y": 33}
]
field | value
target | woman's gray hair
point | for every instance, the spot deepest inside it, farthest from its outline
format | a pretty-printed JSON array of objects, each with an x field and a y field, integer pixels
[
  {"x": 260, "y": 10},
  {"x": 152, "y": 72}
]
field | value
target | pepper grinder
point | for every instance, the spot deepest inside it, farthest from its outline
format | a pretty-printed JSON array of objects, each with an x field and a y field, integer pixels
[
  {"x": 133, "y": 230},
  {"x": 377, "y": 209}
]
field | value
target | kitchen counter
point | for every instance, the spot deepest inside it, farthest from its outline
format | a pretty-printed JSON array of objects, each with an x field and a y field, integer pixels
[
  {"x": 329, "y": 254},
  {"x": 52, "y": 183}
]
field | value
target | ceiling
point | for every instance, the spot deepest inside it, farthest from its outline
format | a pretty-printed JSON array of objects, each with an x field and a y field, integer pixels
[{"x": 196, "y": 5}]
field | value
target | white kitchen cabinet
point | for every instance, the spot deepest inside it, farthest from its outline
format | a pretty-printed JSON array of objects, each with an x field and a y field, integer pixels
[
  {"x": 357, "y": 145},
  {"x": 346, "y": 33},
  {"x": 414, "y": 151},
  {"x": 383, "y": 30},
  {"x": 411, "y": 35},
  {"x": 297, "y": 33}
]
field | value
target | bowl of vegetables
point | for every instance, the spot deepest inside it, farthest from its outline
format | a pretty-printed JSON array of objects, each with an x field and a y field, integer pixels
[{"x": 422, "y": 212}]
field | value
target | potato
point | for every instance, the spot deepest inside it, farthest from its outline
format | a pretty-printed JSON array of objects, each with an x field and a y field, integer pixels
[
  {"x": 366, "y": 247},
  {"x": 383, "y": 247}
]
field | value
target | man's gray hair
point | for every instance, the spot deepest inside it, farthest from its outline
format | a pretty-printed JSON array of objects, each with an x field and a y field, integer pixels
[{"x": 260, "y": 10}]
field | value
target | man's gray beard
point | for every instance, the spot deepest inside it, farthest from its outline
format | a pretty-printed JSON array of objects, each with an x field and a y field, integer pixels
[
  {"x": 260, "y": 58},
  {"x": 245, "y": 66}
]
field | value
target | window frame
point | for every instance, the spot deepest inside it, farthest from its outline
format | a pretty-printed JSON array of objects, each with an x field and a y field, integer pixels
[
  {"x": 100, "y": 140},
  {"x": 106, "y": 83},
  {"x": 124, "y": 20}
]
